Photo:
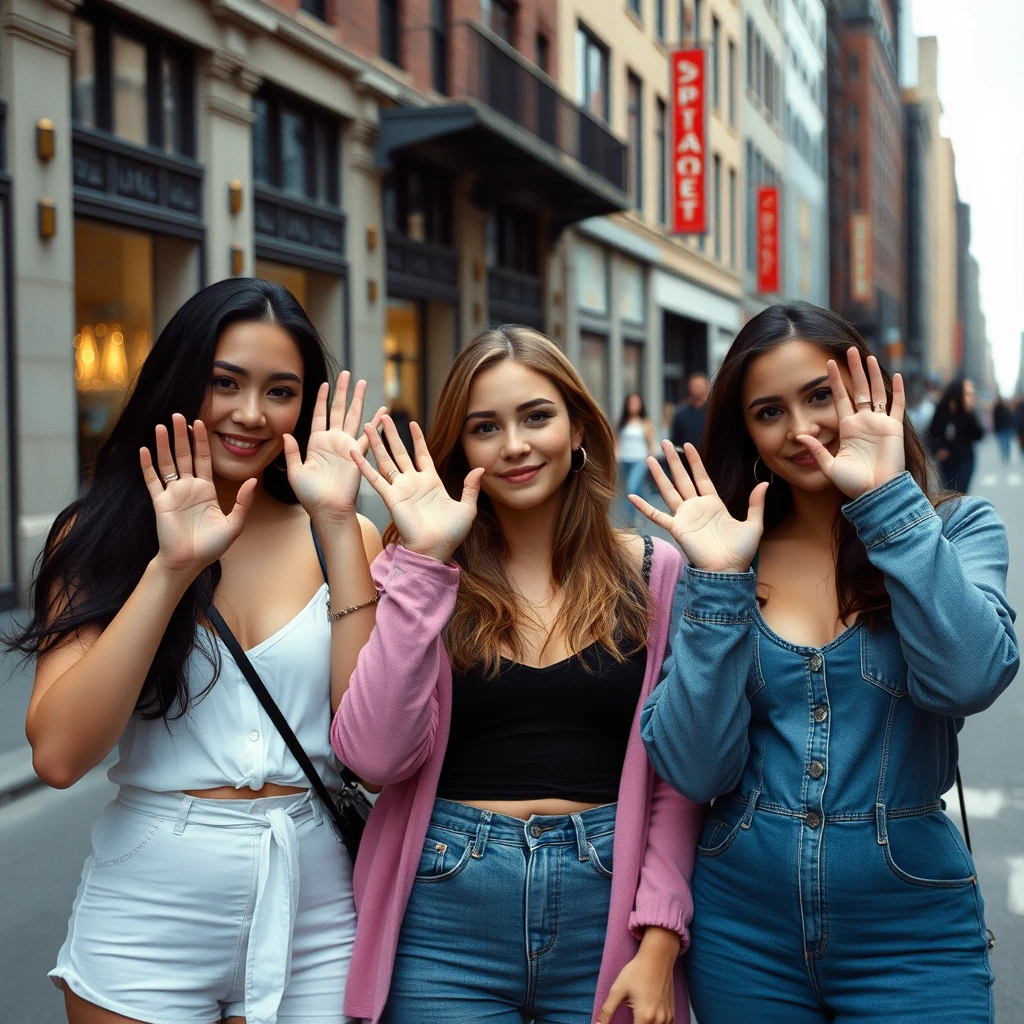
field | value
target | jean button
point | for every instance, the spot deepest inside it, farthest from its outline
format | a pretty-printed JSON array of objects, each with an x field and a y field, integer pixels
[
  {"x": 812, "y": 819},
  {"x": 816, "y": 769},
  {"x": 820, "y": 714},
  {"x": 535, "y": 831},
  {"x": 816, "y": 662}
]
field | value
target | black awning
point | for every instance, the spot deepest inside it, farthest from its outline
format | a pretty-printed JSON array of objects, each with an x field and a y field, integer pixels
[{"x": 511, "y": 159}]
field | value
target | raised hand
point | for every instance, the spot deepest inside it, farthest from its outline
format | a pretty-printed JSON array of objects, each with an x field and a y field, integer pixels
[
  {"x": 430, "y": 521},
  {"x": 327, "y": 481},
  {"x": 190, "y": 525},
  {"x": 870, "y": 439},
  {"x": 698, "y": 519}
]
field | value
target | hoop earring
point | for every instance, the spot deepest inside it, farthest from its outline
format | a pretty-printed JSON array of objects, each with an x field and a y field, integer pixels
[
  {"x": 584, "y": 462},
  {"x": 756, "y": 480},
  {"x": 280, "y": 463}
]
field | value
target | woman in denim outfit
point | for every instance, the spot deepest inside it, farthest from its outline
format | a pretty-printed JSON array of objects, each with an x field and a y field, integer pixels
[{"x": 838, "y": 623}]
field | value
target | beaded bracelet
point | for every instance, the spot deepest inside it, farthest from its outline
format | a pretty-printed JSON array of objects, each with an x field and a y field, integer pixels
[{"x": 334, "y": 616}]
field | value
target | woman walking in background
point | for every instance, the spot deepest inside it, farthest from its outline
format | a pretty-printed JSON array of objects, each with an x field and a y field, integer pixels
[
  {"x": 1003, "y": 424},
  {"x": 498, "y": 702},
  {"x": 216, "y": 888},
  {"x": 635, "y": 441},
  {"x": 954, "y": 430},
  {"x": 839, "y": 621}
]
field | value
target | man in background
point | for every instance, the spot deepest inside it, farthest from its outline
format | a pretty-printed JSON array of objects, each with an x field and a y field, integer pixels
[{"x": 689, "y": 418}]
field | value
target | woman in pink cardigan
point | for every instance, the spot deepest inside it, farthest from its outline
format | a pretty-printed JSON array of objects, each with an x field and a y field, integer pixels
[{"x": 522, "y": 860}]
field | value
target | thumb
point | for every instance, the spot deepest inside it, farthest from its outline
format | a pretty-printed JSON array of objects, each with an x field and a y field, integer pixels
[
  {"x": 292, "y": 457},
  {"x": 821, "y": 454},
  {"x": 755, "y": 512},
  {"x": 471, "y": 488},
  {"x": 611, "y": 1005},
  {"x": 243, "y": 502}
]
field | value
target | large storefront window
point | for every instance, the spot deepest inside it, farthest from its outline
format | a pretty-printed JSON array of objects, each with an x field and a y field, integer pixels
[
  {"x": 403, "y": 359},
  {"x": 594, "y": 365},
  {"x": 113, "y": 326}
]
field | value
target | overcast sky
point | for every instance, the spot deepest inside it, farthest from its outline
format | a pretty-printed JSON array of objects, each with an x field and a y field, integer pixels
[{"x": 981, "y": 84}]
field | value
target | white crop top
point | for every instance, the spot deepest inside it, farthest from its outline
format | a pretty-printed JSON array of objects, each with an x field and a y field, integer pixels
[{"x": 226, "y": 739}]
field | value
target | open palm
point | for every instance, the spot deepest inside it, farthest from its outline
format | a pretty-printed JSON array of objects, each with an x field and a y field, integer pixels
[
  {"x": 871, "y": 447},
  {"x": 191, "y": 527},
  {"x": 698, "y": 519},
  {"x": 327, "y": 480},
  {"x": 429, "y": 519}
]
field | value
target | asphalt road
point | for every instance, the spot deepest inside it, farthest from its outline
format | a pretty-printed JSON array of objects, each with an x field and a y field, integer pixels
[{"x": 44, "y": 835}]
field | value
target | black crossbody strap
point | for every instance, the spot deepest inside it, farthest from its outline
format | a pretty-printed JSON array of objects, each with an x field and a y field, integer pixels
[
  {"x": 963, "y": 810},
  {"x": 274, "y": 713}
]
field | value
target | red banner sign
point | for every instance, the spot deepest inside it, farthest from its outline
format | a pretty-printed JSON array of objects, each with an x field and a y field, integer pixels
[
  {"x": 768, "y": 239},
  {"x": 689, "y": 133}
]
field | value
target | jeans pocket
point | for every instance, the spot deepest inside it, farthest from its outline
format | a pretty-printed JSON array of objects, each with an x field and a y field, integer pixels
[
  {"x": 723, "y": 825},
  {"x": 600, "y": 849},
  {"x": 445, "y": 854},
  {"x": 119, "y": 834},
  {"x": 926, "y": 850}
]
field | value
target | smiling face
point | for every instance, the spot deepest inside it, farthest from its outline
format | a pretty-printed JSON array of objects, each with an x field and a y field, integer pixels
[
  {"x": 518, "y": 428},
  {"x": 254, "y": 398},
  {"x": 785, "y": 394}
]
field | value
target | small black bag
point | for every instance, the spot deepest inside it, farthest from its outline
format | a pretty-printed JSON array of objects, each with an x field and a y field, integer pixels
[{"x": 350, "y": 808}]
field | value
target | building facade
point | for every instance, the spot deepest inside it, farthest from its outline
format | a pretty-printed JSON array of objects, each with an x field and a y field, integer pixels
[
  {"x": 401, "y": 167},
  {"x": 642, "y": 309},
  {"x": 804, "y": 241}
]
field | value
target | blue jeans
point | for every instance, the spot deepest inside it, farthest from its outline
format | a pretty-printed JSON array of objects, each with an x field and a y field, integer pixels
[
  {"x": 506, "y": 920},
  {"x": 634, "y": 478}
]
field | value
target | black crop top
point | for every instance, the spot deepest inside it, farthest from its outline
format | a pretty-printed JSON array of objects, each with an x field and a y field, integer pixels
[{"x": 535, "y": 733}]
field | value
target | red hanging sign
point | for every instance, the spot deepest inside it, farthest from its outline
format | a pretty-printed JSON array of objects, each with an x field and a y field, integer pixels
[
  {"x": 768, "y": 239},
  {"x": 689, "y": 133}
]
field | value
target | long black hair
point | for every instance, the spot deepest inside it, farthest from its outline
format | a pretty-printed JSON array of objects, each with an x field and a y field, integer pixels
[
  {"x": 624, "y": 418},
  {"x": 730, "y": 455},
  {"x": 100, "y": 545}
]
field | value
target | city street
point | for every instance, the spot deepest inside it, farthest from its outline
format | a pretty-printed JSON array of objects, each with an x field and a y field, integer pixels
[{"x": 44, "y": 835}]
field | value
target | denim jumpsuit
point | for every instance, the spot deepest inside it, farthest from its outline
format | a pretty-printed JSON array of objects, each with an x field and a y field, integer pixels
[{"x": 829, "y": 883}]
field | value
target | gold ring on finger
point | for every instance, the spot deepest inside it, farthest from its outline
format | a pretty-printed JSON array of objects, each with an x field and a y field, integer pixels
[
  {"x": 170, "y": 477},
  {"x": 392, "y": 475},
  {"x": 862, "y": 400},
  {"x": 879, "y": 406}
]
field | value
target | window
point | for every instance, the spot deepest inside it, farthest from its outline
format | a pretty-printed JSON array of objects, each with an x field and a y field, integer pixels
[
  {"x": 543, "y": 52},
  {"x": 854, "y": 117},
  {"x": 661, "y": 147},
  {"x": 594, "y": 365},
  {"x": 591, "y": 73},
  {"x": 634, "y": 139},
  {"x": 418, "y": 203},
  {"x": 698, "y": 10},
  {"x": 314, "y": 7},
  {"x": 295, "y": 148},
  {"x": 659, "y": 20},
  {"x": 632, "y": 367},
  {"x": 718, "y": 206},
  {"x": 513, "y": 240},
  {"x": 716, "y": 33},
  {"x": 731, "y": 82},
  {"x": 732, "y": 217},
  {"x": 500, "y": 17},
  {"x": 854, "y": 67},
  {"x": 439, "y": 45},
  {"x": 634, "y": 6},
  {"x": 750, "y": 54},
  {"x": 390, "y": 49},
  {"x": 133, "y": 84}
]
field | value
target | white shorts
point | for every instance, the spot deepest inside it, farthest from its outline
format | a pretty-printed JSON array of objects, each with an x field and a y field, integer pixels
[{"x": 191, "y": 910}]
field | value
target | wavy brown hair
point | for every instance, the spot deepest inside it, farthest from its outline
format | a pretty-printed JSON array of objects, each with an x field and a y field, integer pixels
[
  {"x": 730, "y": 455},
  {"x": 609, "y": 601}
]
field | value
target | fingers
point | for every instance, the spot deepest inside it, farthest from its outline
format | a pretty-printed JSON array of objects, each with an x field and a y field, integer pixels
[
  {"x": 680, "y": 475},
  {"x": 372, "y": 477},
  {"x": 320, "y": 409},
  {"x": 665, "y": 488},
  {"x": 755, "y": 511},
  {"x": 243, "y": 502},
  {"x": 611, "y": 1004},
  {"x": 354, "y": 416},
  {"x": 420, "y": 449},
  {"x": 821, "y": 454},
  {"x": 899, "y": 398},
  {"x": 879, "y": 399},
  {"x": 861, "y": 389},
  {"x": 656, "y": 516},
  {"x": 182, "y": 449},
  {"x": 164, "y": 461},
  {"x": 398, "y": 452},
  {"x": 204, "y": 461},
  {"x": 700, "y": 474},
  {"x": 149, "y": 474},
  {"x": 340, "y": 401},
  {"x": 292, "y": 456},
  {"x": 840, "y": 396},
  {"x": 380, "y": 454},
  {"x": 471, "y": 488}
]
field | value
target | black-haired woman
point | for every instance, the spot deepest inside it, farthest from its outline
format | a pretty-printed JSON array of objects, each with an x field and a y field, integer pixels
[
  {"x": 954, "y": 430},
  {"x": 216, "y": 888},
  {"x": 838, "y": 621}
]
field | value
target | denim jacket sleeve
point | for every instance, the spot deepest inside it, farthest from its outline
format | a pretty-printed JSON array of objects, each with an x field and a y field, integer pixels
[
  {"x": 695, "y": 724},
  {"x": 946, "y": 578}
]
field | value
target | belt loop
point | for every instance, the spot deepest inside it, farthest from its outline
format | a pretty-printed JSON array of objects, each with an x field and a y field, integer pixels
[
  {"x": 582, "y": 846},
  {"x": 748, "y": 814},
  {"x": 483, "y": 830},
  {"x": 183, "y": 809},
  {"x": 880, "y": 824}
]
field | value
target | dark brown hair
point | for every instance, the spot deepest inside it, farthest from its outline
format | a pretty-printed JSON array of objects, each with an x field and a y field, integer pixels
[{"x": 730, "y": 455}]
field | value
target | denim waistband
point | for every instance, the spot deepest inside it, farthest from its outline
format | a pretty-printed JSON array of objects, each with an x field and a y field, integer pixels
[
  {"x": 766, "y": 806},
  {"x": 538, "y": 830},
  {"x": 196, "y": 810}
]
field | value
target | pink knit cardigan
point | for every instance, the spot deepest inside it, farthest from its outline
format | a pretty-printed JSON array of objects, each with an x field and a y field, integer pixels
[{"x": 392, "y": 729}]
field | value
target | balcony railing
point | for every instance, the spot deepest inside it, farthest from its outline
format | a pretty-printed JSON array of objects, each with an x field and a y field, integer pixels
[{"x": 485, "y": 69}]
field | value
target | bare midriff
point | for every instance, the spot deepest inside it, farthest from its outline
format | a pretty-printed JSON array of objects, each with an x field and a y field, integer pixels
[
  {"x": 230, "y": 793},
  {"x": 525, "y": 809}
]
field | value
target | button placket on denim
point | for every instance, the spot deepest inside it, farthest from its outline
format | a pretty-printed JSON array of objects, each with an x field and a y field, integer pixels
[{"x": 816, "y": 775}]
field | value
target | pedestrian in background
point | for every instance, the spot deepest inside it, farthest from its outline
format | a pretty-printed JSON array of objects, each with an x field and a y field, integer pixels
[
  {"x": 634, "y": 442},
  {"x": 839, "y": 620},
  {"x": 496, "y": 702},
  {"x": 217, "y": 887},
  {"x": 921, "y": 399},
  {"x": 1004, "y": 425},
  {"x": 688, "y": 419},
  {"x": 1018, "y": 420},
  {"x": 954, "y": 429}
]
